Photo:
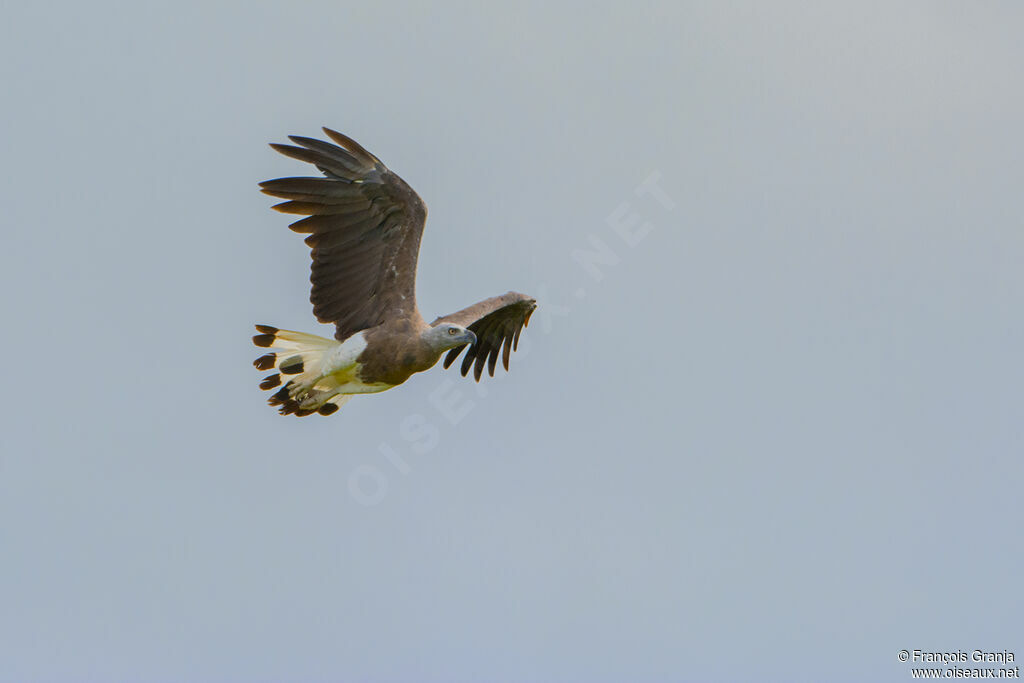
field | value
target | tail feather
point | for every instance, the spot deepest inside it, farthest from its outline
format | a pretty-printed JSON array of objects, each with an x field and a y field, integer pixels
[{"x": 299, "y": 361}]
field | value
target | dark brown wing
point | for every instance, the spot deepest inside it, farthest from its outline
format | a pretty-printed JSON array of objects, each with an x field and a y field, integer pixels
[
  {"x": 496, "y": 322},
  {"x": 364, "y": 225}
]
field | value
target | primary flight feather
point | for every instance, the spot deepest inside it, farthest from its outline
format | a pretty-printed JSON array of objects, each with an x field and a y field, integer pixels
[{"x": 364, "y": 225}]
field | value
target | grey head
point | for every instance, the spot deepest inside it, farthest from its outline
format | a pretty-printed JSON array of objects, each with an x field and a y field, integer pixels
[{"x": 447, "y": 336}]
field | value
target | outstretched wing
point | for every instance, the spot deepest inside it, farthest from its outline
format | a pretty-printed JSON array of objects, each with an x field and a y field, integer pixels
[
  {"x": 364, "y": 225},
  {"x": 496, "y": 322}
]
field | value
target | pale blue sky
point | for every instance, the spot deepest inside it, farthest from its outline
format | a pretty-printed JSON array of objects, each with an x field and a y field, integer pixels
[{"x": 779, "y": 438}]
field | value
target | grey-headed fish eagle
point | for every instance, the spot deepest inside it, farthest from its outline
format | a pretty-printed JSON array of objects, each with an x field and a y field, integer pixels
[{"x": 364, "y": 225}]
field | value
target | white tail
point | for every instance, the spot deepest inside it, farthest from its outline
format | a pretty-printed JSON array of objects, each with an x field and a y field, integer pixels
[{"x": 302, "y": 359}]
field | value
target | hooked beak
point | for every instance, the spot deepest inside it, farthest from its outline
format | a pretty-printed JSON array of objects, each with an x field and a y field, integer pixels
[{"x": 469, "y": 338}]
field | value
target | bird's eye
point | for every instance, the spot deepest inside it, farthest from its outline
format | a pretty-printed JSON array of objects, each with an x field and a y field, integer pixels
[{"x": 452, "y": 331}]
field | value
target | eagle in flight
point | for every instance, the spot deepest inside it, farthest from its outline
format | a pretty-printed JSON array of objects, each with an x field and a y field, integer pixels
[{"x": 364, "y": 225}]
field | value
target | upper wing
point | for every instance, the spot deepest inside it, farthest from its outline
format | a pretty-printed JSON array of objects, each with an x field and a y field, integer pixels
[
  {"x": 496, "y": 322},
  {"x": 365, "y": 225}
]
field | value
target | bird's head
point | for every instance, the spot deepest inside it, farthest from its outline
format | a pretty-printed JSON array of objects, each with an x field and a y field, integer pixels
[{"x": 447, "y": 336}]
